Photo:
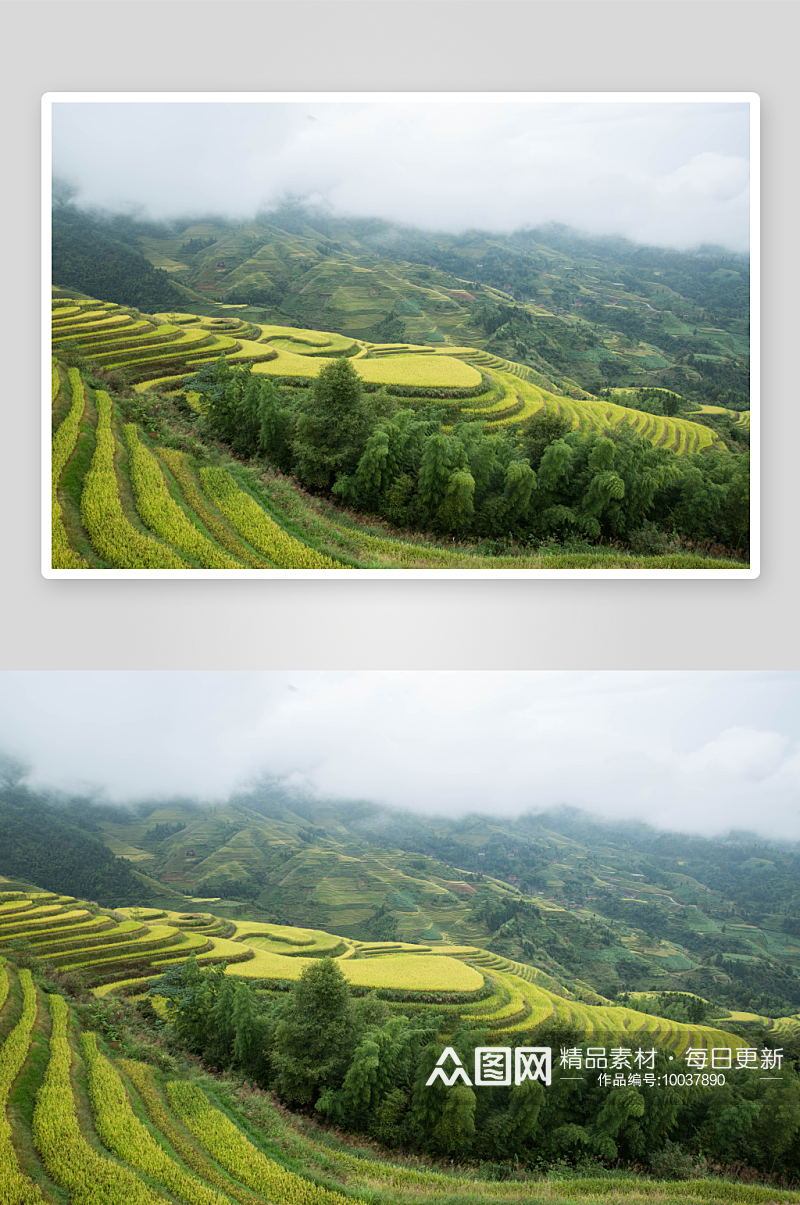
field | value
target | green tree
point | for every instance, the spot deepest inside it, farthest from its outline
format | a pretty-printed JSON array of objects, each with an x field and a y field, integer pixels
[
  {"x": 456, "y": 1127},
  {"x": 248, "y": 420},
  {"x": 539, "y": 431},
  {"x": 275, "y": 427},
  {"x": 244, "y": 1024},
  {"x": 332, "y": 426},
  {"x": 315, "y": 1036},
  {"x": 520, "y": 482},
  {"x": 434, "y": 473},
  {"x": 372, "y": 476},
  {"x": 458, "y": 506}
]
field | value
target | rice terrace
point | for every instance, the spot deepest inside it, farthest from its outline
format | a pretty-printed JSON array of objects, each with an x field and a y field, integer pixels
[
  {"x": 438, "y": 423},
  {"x": 105, "y": 1010}
]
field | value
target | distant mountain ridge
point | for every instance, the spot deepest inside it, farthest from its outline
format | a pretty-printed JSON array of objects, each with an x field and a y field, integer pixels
[
  {"x": 586, "y": 313},
  {"x": 611, "y": 907}
]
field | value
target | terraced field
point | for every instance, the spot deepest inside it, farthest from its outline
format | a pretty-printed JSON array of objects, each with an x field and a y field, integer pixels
[
  {"x": 188, "y": 340},
  {"x": 740, "y": 417},
  {"x": 521, "y": 399},
  {"x": 120, "y": 501},
  {"x": 120, "y": 950},
  {"x": 81, "y": 1124},
  {"x": 130, "y": 944}
]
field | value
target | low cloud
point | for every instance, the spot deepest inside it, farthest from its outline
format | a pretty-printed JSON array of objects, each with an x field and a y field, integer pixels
[
  {"x": 698, "y": 752},
  {"x": 672, "y": 174}
]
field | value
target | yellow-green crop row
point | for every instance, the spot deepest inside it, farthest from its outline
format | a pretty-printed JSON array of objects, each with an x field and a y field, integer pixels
[
  {"x": 68, "y": 1157},
  {"x": 17, "y": 912},
  {"x": 104, "y": 989},
  {"x": 85, "y": 309},
  {"x": 37, "y": 919},
  {"x": 319, "y": 343},
  {"x": 15, "y": 1187},
  {"x": 287, "y": 935},
  {"x": 135, "y": 912},
  {"x": 257, "y": 527},
  {"x": 679, "y": 435},
  {"x": 77, "y": 318},
  {"x": 500, "y": 397},
  {"x": 516, "y": 1010},
  {"x": 14, "y": 908},
  {"x": 63, "y": 555},
  {"x": 88, "y": 305},
  {"x": 156, "y": 940},
  {"x": 428, "y": 372},
  {"x": 131, "y": 351},
  {"x": 45, "y": 929},
  {"x": 83, "y": 937},
  {"x": 250, "y": 350},
  {"x": 176, "y": 463},
  {"x": 56, "y": 382},
  {"x": 151, "y": 338},
  {"x": 112, "y": 322},
  {"x": 15, "y": 1048},
  {"x": 313, "y": 339},
  {"x": 195, "y": 352},
  {"x": 609, "y": 1022},
  {"x": 740, "y": 417},
  {"x": 414, "y": 972},
  {"x": 226, "y": 1143},
  {"x": 128, "y": 1139},
  {"x": 531, "y": 396},
  {"x": 181, "y": 319},
  {"x": 189, "y": 943},
  {"x": 65, "y": 437},
  {"x": 109, "y": 530},
  {"x": 141, "y": 1076},
  {"x": 161, "y": 513},
  {"x": 3, "y": 982},
  {"x": 129, "y": 333}
]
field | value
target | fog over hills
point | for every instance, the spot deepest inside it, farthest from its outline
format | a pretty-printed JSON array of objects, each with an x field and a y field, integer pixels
[
  {"x": 690, "y": 751},
  {"x": 672, "y": 174}
]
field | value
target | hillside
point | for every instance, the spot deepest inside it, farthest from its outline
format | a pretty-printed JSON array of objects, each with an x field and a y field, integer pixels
[
  {"x": 141, "y": 478},
  {"x": 612, "y": 907},
  {"x": 597, "y": 909},
  {"x": 583, "y": 313},
  {"x": 105, "y": 1011},
  {"x": 98, "y": 1108}
]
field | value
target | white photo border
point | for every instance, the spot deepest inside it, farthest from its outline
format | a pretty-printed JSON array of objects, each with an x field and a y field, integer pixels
[{"x": 752, "y": 99}]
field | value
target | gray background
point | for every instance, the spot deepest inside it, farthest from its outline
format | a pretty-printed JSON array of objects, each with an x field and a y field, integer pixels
[{"x": 444, "y": 45}]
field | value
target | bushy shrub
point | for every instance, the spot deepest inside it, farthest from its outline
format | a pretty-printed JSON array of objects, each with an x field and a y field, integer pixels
[{"x": 672, "y": 1162}]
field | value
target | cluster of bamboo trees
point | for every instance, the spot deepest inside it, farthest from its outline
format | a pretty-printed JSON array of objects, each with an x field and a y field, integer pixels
[{"x": 544, "y": 482}]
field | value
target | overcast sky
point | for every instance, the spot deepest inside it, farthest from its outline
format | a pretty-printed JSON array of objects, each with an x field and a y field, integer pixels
[
  {"x": 695, "y": 751},
  {"x": 668, "y": 173}
]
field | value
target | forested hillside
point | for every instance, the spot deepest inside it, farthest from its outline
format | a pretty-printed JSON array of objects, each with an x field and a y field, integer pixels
[
  {"x": 359, "y": 965},
  {"x": 179, "y": 443},
  {"x": 599, "y": 908},
  {"x": 585, "y": 313}
]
